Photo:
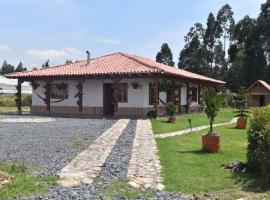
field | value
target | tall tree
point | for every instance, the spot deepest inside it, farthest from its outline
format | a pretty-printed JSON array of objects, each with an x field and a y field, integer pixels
[
  {"x": 20, "y": 68},
  {"x": 225, "y": 24},
  {"x": 7, "y": 68},
  {"x": 165, "y": 55},
  {"x": 46, "y": 64},
  {"x": 192, "y": 56}
]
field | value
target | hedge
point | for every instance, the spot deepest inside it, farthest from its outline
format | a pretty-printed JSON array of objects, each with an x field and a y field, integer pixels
[
  {"x": 9, "y": 101},
  {"x": 258, "y": 154}
]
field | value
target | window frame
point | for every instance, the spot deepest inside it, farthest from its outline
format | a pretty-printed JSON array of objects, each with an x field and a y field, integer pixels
[
  {"x": 151, "y": 99},
  {"x": 121, "y": 92},
  {"x": 56, "y": 86}
]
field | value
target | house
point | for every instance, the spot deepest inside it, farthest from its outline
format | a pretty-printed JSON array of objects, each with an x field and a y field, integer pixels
[
  {"x": 259, "y": 93},
  {"x": 8, "y": 86},
  {"x": 118, "y": 84}
]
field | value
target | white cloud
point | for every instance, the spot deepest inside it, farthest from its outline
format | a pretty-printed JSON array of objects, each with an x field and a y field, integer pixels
[
  {"x": 112, "y": 41},
  {"x": 5, "y": 48},
  {"x": 52, "y": 53}
]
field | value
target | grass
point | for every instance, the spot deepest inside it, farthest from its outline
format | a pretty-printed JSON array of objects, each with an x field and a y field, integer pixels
[
  {"x": 13, "y": 109},
  {"x": 188, "y": 169},
  {"x": 122, "y": 190},
  {"x": 162, "y": 125},
  {"x": 23, "y": 184}
]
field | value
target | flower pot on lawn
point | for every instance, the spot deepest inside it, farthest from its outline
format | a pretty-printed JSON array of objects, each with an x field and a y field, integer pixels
[
  {"x": 172, "y": 119},
  {"x": 211, "y": 142},
  {"x": 241, "y": 123}
]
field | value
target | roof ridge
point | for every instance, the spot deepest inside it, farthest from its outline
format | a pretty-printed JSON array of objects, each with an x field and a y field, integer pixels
[{"x": 132, "y": 57}]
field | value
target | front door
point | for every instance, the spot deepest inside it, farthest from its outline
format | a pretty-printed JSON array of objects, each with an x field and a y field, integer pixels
[
  {"x": 262, "y": 100},
  {"x": 108, "y": 107}
]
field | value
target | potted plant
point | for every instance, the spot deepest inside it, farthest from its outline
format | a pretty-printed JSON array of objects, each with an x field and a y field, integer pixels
[
  {"x": 212, "y": 102},
  {"x": 242, "y": 106},
  {"x": 171, "y": 111}
]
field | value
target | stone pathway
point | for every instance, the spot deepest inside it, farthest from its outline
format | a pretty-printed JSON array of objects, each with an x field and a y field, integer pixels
[
  {"x": 27, "y": 120},
  {"x": 144, "y": 167},
  {"x": 177, "y": 133},
  {"x": 87, "y": 165}
]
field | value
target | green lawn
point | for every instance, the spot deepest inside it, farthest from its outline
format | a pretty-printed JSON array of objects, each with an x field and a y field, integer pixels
[
  {"x": 188, "y": 169},
  {"x": 12, "y": 109},
  {"x": 197, "y": 119},
  {"x": 23, "y": 184}
]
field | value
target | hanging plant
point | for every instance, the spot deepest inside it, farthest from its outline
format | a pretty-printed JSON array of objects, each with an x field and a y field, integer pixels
[
  {"x": 34, "y": 85},
  {"x": 136, "y": 85}
]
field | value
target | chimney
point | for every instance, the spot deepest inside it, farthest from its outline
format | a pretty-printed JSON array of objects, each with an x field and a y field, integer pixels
[{"x": 88, "y": 57}]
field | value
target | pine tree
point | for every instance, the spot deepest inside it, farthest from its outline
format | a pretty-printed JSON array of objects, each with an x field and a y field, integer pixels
[
  {"x": 20, "y": 68},
  {"x": 7, "y": 68},
  {"x": 46, "y": 64},
  {"x": 165, "y": 55}
]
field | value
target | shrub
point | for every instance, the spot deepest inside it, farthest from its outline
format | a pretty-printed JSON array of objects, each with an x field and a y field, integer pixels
[
  {"x": 27, "y": 100},
  {"x": 7, "y": 101},
  {"x": 170, "y": 109},
  {"x": 241, "y": 101},
  {"x": 152, "y": 114},
  {"x": 258, "y": 154}
]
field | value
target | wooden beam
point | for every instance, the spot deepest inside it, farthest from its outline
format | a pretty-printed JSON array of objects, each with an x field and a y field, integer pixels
[
  {"x": 47, "y": 99},
  {"x": 199, "y": 93},
  {"x": 155, "y": 95},
  {"x": 19, "y": 96}
]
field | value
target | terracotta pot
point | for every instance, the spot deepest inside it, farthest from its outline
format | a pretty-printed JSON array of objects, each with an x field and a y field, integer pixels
[
  {"x": 211, "y": 142},
  {"x": 172, "y": 119},
  {"x": 241, "y": 123}
]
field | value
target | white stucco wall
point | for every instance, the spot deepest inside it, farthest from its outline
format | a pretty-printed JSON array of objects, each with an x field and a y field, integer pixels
[
  {"x": 93, "y": 94},
  {"x": 70, "y": 101}
]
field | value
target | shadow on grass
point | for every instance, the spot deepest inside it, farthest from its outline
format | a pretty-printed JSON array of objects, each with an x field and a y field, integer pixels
[
  {"x": 198, "y": 152},
  {"x": 251, "y": 182}
]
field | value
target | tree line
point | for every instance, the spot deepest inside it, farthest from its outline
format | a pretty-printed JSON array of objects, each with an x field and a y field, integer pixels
[
  {"x": 235, "y": 52},
  {"x": 9, "y": 68}
]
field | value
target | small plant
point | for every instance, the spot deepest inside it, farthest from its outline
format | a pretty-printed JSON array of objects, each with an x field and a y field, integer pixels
[
  {"x": 170, "y": 109},
  {"x": 241, "y": 103},
  {"x": 212, "y": 103},
  {"x": 152, "y": 114}
]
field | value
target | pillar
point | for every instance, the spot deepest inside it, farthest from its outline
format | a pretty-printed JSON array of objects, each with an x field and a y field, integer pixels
[
  {"x": 18, "y": 100},
  {"x": 79, "y": 95},
  {"x": 47, "y": 99},
  {"x": 199, "y": 93},
  {"x": 155, "y": 95}
]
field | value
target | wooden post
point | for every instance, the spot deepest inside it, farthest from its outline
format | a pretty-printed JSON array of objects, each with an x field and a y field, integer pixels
[
  {"x": 19, "y": 96},
  {"x": 199, "y": 93},
  {"x": 79, "y": 95},
  {"x": 48, "y": 96},
  {"x": 155, "y": 95},
  {"x": 179, "y": 103},
  {"x": 188, "y": 96}
]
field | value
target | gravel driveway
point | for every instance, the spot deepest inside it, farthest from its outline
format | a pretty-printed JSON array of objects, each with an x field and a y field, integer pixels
[{"x": 47, "y": 146}]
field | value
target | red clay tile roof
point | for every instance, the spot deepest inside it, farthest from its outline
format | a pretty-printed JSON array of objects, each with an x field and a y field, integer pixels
[
  {"x": 117, "y": 63},
  {"x": 261, "y": 82}
]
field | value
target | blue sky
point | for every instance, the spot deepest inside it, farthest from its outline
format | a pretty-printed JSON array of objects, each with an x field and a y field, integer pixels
[{"x": 35, "y": 30}]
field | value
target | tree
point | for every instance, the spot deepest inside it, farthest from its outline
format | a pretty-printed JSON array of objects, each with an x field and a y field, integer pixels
[
  {"x": 7, "y": 68},
  {"x": 46, "y": 64},
  {"x": 225, "y": 23},
  {"x": 68, "y": 61},
  {"x": 165, "y": 55},
  {"x": 20, "y": 68}
]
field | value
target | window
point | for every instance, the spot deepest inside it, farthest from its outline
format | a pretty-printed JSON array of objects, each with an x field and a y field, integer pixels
[
  {"x": 151, "y": 95},
  {"x": 59, "y": 91},
  {"x": 194, "y": 94},
  {"x": 120, "y": 91}
]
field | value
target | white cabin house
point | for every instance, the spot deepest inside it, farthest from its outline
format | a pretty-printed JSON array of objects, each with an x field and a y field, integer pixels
[{"x": 118, "y": 84}]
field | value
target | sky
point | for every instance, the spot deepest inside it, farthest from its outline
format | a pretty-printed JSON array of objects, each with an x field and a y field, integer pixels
[{"x": 35, "y": 30}]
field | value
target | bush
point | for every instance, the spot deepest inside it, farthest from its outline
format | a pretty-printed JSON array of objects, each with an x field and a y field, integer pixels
[
  {"x": 258, "y": 154},
  {"x": 170, "y": 109},
  {"x": 27, "y": 100},
  {"x": 7, "y": 101},
  {"x": 152, "y": 114}
]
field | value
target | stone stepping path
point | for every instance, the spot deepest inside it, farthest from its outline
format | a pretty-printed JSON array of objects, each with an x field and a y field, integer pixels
[
  {"x": 87, "y": 165},
  {"x": 144, "y": 167},
  {"x": 178, "y": 133}
]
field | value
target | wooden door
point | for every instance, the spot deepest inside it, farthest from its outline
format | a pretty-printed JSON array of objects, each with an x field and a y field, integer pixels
[{"x": 108, "y": 107}]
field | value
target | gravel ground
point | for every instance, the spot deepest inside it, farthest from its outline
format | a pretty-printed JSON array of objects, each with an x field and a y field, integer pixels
[
  {"x": 115, "y": 169},
  {"x": 48, "y": 146}
]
